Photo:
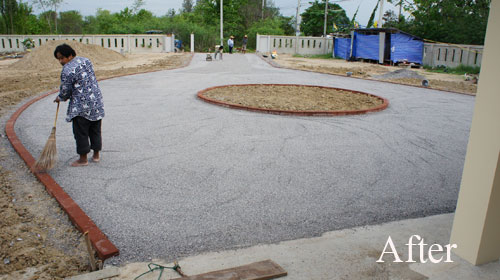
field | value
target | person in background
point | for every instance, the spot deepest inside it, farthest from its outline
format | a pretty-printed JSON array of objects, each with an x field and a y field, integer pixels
[
  {"x": 218, "y": 50},
  {"x": 230, "y": 44},
  {"x": 85, "y": 109},
  {"x": 177, "y": 45},
  {"x": 244, "y": 44}
]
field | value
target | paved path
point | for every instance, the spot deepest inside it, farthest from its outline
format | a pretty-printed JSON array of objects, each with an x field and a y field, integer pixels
[{"x": 179, "y": 176}]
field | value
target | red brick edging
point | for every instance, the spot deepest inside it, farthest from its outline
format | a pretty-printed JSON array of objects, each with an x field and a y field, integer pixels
[
  {"x": 381, "y": 107},
  {"x": 83, "y": 223},
  {"x": 103, "y": 246}
]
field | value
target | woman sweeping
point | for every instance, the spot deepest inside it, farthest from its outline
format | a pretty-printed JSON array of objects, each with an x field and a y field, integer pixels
[{"x": 85, "y": 109}]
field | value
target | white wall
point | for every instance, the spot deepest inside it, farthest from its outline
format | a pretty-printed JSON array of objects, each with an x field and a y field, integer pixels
[
  {"x": 452, "y": 55},
  {"x": 287, "y": 44},
  {"x": 126, "y": 43},
  {"x": 434, "y": 54}
]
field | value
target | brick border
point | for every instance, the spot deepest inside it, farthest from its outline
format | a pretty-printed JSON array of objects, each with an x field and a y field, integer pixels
[
  {"x": 105, "y": 249},
  {"x": 381, "y": 107},
  {"x": 276, "y": 65},
  {"x": 103, "y": 246}
]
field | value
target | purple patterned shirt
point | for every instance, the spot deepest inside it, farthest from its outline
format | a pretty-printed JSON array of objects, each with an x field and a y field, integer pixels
[{"x": 79, "y": 85}]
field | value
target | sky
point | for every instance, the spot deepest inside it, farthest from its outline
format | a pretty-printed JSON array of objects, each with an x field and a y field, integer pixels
[{"x": 160, "y": 7}]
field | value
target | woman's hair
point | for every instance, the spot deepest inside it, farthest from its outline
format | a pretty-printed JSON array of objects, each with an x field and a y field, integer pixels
[{"x": 65, "y": 50}]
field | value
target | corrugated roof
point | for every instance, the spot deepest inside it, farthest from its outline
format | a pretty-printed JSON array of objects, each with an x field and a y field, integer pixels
[{"x": 386, "y": 30}]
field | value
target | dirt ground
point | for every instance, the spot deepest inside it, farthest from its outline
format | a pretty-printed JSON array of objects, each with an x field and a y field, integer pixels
[
  {"x": 441, "y": 81},
  {"x": 37, "y": 241},
  {"x": 294, "y": 98}
]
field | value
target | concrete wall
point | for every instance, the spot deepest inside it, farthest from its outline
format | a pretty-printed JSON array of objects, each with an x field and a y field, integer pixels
[
  {"x": 434, "y": 54},
  {"x": 288, "y": 44},
  {"x": 452, "y": 55},
  {"x": 127, "y": 43}
]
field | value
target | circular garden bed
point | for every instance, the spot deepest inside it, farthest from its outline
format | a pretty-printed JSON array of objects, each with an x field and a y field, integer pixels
[{"x": 294, "y": 99}]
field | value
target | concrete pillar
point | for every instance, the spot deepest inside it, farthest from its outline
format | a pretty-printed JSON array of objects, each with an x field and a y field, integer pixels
[
  {"x": 192, "y": 43},
  {"x": 257, "y": 44},
  {"x": 352, "y": 45},
  {"x": 466, "y": 55},
  {"x": 381, "y": 47},
  {"x": 476, "y": 227},
  {"x": 296, "y": 50},
  {"x": 269, "y": 44},
  {"x": 128, "y": 44}
]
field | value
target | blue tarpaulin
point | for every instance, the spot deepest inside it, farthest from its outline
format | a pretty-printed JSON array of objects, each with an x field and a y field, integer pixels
[
  {"x": 366, "y": 46},
  {"x": 342, "y": 48},
  {"x": 406, "y": 47}
]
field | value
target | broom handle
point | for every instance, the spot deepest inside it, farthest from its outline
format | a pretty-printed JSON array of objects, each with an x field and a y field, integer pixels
[{"x": 57, "y": 112}]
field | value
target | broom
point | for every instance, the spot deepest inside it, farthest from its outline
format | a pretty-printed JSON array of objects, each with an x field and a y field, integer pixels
[{"x": 48, "y": 157}]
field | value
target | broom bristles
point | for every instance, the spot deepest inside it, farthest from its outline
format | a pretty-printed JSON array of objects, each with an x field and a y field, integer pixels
[{"x": 48, "y": 157}]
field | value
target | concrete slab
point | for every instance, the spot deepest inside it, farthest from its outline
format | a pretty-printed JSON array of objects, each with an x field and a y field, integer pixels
[
  {"x": 180, "y": 177},
  {"x": 106, "y": 273},
  {"x": 343, "y": 254},
  {"x": 459, "y": 269}
]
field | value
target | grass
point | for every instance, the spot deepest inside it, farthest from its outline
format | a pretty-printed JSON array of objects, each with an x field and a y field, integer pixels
[{"x": 460, "y": 70}]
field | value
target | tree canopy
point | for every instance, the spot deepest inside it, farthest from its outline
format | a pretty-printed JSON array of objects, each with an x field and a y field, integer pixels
[
  {"x": 450, "y": 21},
  {"x": 313, "y": 18}
]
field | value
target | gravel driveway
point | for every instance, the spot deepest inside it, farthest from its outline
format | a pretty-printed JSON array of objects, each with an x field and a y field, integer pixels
[{"x": 179, "y": 176}]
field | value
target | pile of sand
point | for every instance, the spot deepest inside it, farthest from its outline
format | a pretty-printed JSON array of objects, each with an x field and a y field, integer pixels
[
  {"x": 43, "y": 57},
  {"x": 400, "y": 74}
]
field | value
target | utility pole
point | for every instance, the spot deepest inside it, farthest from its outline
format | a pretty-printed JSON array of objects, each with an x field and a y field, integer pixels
[
  {"x": 221, "y": 24},
  {"x": 297, "y": 26},
  {"x": 381, "y": 14},
  {"x": 326, "y": 17},
  {"x": 263, "y": 6},
  {"x": 400, "y": 4}
]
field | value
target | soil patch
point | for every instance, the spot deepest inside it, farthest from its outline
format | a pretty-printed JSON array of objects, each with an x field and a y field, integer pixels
[
  {"x": 43, "y": 56},
  {"x": 414, "y": 77},
  {"x": 294, "y": 98},
  {"x": 37, "y": 240}
]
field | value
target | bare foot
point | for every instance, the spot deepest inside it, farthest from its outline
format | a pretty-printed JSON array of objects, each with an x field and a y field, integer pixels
[
  {"x": 78, "y": 163},
  {"x": 96, "y": 156}
]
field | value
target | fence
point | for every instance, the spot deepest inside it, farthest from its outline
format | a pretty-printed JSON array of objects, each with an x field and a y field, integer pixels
[
  {"x": 288, "y": 44},
  {"x": 452, "y": 55},
  {"x": 127, "y": 43},
  {"x": 433, "y": 54}
]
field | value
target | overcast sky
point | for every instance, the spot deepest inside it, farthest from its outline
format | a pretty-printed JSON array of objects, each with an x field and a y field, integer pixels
[{"x": 160, "y": 7}]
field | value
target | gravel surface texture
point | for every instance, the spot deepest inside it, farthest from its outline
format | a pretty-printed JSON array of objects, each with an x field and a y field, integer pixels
[
  {"x": 179, "y": 176},
  {"x": 400, "y": 74}
]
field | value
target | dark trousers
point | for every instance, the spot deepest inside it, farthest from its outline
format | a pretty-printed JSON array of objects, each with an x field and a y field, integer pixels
[
  {"x": 83, "y": 130},
  {"x": 230, "y": 49}
]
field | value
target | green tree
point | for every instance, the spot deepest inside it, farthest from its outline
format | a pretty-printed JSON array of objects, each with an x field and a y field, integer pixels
[
  {"x": 137, "y": 5},
  {"x": 313, "y": 18},
  {"x": 25, "y": 21},
  {"x": 71, "y": 22},
  {"x": 171, "y": 13},
  {"x": 45, "y": 5},
  {"x": 372, "y": 16},
  {"x": 8, "y": 10},
  {"x": 107, "y": 23},
  {"x": 47, "y": 21},
  {"x": 450, "y": 21},
  {"x": 269, "y": 26},
  {"x": 390, "y": 19},
  {"x": 17, "y": 18},
  {"x": 187, "y": 6}
]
